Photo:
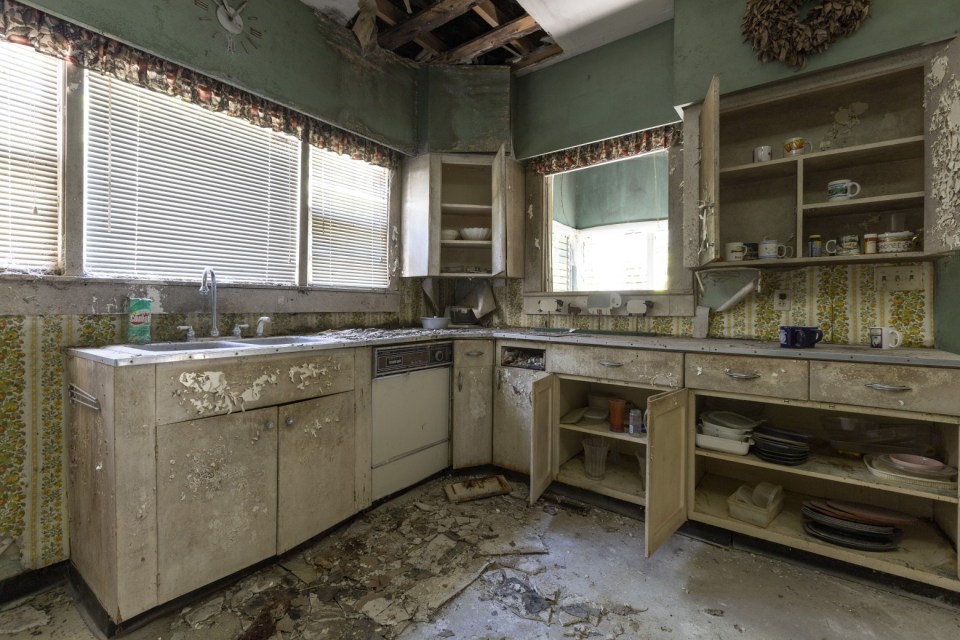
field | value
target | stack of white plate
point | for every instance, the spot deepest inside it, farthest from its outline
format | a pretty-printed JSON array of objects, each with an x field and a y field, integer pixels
[{"x": 726, "y": 431}]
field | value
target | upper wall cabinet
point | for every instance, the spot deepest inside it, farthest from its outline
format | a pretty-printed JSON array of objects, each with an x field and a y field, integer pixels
[
  {"x": 865, "y": 124},
  {"x": 453, "y": 192}
]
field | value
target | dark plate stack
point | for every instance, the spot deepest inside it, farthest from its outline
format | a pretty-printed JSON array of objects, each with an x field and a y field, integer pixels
[
  {"x": 854, "y": 525},
  {"x": 780, "y": 446}
]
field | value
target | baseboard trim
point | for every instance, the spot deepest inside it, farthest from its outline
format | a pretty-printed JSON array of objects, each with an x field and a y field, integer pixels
[{"x": 23, "y": 584}]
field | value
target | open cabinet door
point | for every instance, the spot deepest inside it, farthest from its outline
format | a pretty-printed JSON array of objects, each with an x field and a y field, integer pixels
[
  {"x": 709, "y": 174},
  {"x": 666, "y": 467},
  {"x": 543, "y": 442},
  {"x": 942, "y": 155},
  {"x": 499, "y": 222}
]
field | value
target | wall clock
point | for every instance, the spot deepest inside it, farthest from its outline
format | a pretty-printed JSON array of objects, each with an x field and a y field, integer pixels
[{"x": 237, "y": 28}]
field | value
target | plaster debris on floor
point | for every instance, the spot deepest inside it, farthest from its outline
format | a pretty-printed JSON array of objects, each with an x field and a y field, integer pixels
[{"x": 421, "y": 567}]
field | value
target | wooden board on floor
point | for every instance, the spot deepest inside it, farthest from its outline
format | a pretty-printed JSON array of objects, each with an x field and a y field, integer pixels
[{"x": 475, "y": 489}]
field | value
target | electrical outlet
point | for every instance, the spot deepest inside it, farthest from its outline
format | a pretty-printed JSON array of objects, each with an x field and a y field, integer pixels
[
  {"x": 898, "y": 278},
  {"x": 781, "y": 300}
]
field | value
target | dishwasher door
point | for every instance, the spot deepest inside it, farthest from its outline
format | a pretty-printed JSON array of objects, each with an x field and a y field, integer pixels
[{"x": 411, "y": 428}]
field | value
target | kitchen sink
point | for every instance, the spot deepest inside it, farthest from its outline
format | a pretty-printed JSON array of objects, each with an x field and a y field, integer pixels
[
  {"x": 275, "y": 340},
  {"x": 188, "y": 346}
]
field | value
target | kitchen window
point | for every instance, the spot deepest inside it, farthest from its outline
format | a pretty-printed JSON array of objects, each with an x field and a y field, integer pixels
[
  {"x": 30, "y": 139},
  {"x": 169, "y": 188}
]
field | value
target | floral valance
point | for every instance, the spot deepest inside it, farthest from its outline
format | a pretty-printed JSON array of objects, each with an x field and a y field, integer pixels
[
  {"x": 48, "y": 34},
  {"x": 631, "y": 144}
]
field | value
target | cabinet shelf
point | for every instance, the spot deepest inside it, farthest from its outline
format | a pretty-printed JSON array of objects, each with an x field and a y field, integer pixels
[
  {"x": 621, "y": 480},
  {"x": 912, "y": 200},
  {"x": 779, "y": 168},
  {"x": 925, "y": 554},
  {"x": 467, "y": 244},
  {"x": 872, "y": 258},
  {"x": 836, "y": 469},
  {"x": 465, "y": 208},
  {"x": 603, "y": 429},
  {"x": 873, "y": 153}
]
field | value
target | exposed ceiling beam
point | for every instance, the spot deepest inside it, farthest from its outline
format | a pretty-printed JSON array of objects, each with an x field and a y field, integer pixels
[
  {"x": 537, "y": 56},
  {"x": 390, "y": 14},
  {"x": 490, "y": 14},
  {"x": 491, "y": 40},
  {"x": 424, "y": 21}
]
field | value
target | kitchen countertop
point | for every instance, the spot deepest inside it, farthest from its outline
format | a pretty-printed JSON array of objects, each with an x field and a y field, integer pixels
[{"x": 127, "y": 355}]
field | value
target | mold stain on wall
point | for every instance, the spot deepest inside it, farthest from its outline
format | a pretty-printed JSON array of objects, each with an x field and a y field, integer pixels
[{"x": 944, "y": 129}]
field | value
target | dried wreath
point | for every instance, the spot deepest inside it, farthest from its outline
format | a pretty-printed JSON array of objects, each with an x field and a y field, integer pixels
[{"x": 776, "y": 32}]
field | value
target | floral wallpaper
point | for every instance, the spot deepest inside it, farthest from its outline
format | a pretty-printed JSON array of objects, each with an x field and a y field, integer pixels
[
  {"x": 842, "y": 300},
  {"x": 623, "y": 146}
]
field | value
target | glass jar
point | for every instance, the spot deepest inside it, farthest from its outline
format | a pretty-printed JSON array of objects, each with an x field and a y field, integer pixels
[
  {"x": 814, "y": 245},
  {"x": 869, "y": 243},
  {"x": 635, "y": 422}
]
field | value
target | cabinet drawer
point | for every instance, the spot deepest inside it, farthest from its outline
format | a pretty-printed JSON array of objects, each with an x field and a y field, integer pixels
[
  {"x": 777, "y": 377},
  {"x": 473, "y": 353},
  {"x": 660, "y": 368},
  {"x": 887, "y": 386},
  {"x": 193, "y": 389}
]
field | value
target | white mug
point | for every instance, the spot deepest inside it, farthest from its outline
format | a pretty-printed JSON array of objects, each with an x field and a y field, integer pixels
[
  {"x": 773, "y": 249},
  {"x": 885, "y": 338},
  {"x": 763, "y": 153},
  {"x": 734, "y": 251},
  {"x": 842, "y": 189}
]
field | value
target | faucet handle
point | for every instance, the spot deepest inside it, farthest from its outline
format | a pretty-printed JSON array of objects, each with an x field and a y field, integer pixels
[
  {"x": 260, "y": 322},
  {"x": 238, "y": 330},
  {"x": 191, "y": 334}
]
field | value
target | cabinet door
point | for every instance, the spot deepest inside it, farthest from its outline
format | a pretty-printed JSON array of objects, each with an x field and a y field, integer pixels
[
  {"x": 942, "y": 156},
  {"x": 543, "y": 445},
  {"x": 472, "y": 418},
  {"x": 709, "y": 174},
  {"x": 216, "y": 498},
  {"x": 508, "y": 196},
  {"x": 420, "y": 216},
  {"x": 317, "y": 479},
  {"x": 513, "y": 417},
  {"x": 666, "y": 467}
]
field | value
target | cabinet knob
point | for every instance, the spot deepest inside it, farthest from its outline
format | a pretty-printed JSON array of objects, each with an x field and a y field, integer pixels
[
  {"x": 270, "y": 425},
  {"x": 288, "y": 421}
]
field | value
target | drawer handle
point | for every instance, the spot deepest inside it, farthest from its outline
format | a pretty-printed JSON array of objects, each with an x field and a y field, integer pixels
[
  {"x": 742, "y": 375},
  {"x": 610, "y": 363},
  {"x": 474, "y": 354},
  {"x": 460, "y": 381},
  {"x": 879, "y": 386}
]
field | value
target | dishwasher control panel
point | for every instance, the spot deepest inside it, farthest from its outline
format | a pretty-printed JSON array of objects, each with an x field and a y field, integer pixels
[{"x": 411, "y": 357}]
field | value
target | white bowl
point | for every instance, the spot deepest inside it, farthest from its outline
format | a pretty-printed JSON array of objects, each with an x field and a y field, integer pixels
[
  {"x": 475, "y": 233},
  {"x": 449, "y": 234},
  {"x": 435, "y": 322}
]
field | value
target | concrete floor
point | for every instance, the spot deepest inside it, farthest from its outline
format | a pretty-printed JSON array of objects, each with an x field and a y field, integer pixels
[{"x": 421, "y": 568}]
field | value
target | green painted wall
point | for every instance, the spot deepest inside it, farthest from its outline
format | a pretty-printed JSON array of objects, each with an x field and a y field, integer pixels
[
  {"x": 619, "y": 88},
  {"x": 624, "y": 191},
  {"x": 707, "y": 41},
  {"x": 307, "y": 65},
  {"x": 946, "y": 308},
  {"x": 464, "y": 109}
]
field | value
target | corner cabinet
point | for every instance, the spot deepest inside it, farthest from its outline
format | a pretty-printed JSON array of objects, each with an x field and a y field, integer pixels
[
  {"x": 883, "y": 124},
  {"x": 472, "y": 440},
  {"x": 457, "y": 191}
]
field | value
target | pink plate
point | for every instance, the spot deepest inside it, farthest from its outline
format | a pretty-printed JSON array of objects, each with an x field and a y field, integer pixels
[{"x": 911, "y": 462}]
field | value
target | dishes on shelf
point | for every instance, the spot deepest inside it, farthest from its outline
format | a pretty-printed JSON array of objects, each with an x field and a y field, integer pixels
[
  {"x": 449, "y": 234},
  {"x": 853, "y": 524},
  {"x": 728, "y": 420},
  {"x": 868, "y": 513},
  {"x": 834, "y": 536},
  {"x": 780, "y": 446},
  {"x": 716, "y": 443},
  {"x": 909, "y": 462},
  {"x": 475, "y": 233},
  {"x": 881, "y": 467}
]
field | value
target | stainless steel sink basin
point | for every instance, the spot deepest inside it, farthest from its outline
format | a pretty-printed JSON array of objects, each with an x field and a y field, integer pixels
[
  {"x": 188, "y": 346},
  {"x": 275, "y": 340}
]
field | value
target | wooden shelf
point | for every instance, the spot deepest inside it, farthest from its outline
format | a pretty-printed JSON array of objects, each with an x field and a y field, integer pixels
[
  {"x": 841, "y": 470},
  {"x": 925, "y": 554},
  {"x": 874, "y": 153},
  {"x": 781, "y": 263},
  {"x": 913, "y": 200},
  {"x": 467, "y": 244},
  {"x": 621, "y": 480},
  {"x": 465, "y": 208},
  {"x": 603, "y": 429},
  {"x": 779, "y": 168}
]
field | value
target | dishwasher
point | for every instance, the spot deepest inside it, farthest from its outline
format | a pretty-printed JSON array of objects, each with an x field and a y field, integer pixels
[{"x": 411, "y": 414}]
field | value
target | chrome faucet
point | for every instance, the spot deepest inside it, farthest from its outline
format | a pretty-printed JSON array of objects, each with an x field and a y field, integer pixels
[
  {"x": 212, "y": 290},
  {"x": 262, "y": 320}
]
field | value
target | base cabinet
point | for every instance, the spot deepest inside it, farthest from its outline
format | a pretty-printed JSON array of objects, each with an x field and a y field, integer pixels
[
  {"x": 513, "y": 417},
  {"x": 644, "y": 470},
  {"x": 472, "y": 419}
]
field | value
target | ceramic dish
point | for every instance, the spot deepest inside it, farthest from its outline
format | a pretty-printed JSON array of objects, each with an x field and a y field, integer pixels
[
  {"x": 871, "y": 514},
  {"x": 779, "y": 459},
  {"x": 724, "y": 432},
  {"x": 594, "y": 413},
  {"x": 773, "y": 432},
  {"x": 910, "y": 462},
  {"x": 435, "y": 322},
  {"x": 475, "y": 233},
  {"x": 449, "y": 234},
  {"x": 885, "y": 471},
  {"x": 723, "y": 444},
  {"x": 728, "y": 420},
  {"x": 852, "y": 527},
  {"x": 884, "y": 461},
  {"x": 838, "y": 537}
]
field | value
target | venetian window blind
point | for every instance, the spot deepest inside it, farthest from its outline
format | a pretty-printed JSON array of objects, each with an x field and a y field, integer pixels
[
  {"x": 30, "y": 135},
  {"x": 172, "y": 188},
  {"x": 349, "y": 218}
]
